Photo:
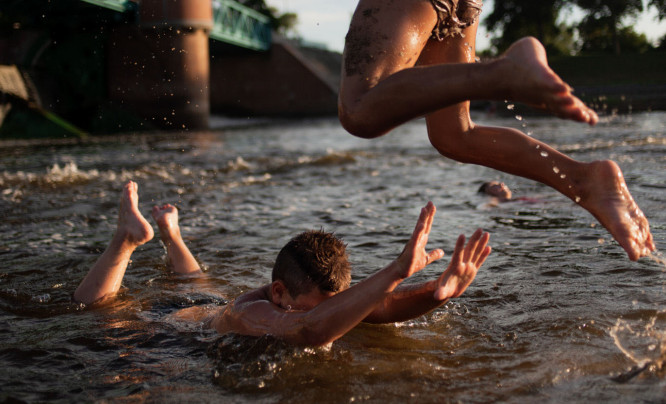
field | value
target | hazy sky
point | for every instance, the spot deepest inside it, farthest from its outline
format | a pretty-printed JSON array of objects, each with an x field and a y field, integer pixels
[{"x": 326, "y": 21}]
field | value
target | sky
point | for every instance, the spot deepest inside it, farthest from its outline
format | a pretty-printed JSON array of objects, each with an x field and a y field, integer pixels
[{"x": 327, "y": 21}]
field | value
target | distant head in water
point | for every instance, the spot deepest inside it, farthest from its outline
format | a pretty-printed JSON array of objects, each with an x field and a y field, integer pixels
[{"x": 496, "y": 189}]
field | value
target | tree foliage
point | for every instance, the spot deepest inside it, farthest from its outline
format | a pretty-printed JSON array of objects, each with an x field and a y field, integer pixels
[
  {"x": 282, "y": 23},
  {"x": 518, "y": 18},
  {"x": 660, "y": 6},
  {"x": 601, "y": 28}
]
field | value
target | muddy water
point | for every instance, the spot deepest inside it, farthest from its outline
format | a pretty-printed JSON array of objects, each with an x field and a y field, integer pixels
[{"x": 557, "y": 314}]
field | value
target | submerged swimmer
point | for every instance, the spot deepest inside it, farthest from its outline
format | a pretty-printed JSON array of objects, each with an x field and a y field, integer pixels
[
  {"x": 497, "y": 190},
  {"x": 409, "y": 58},
  {"x": 500, "y": 192},
  {"x": 309, "y": 301}
]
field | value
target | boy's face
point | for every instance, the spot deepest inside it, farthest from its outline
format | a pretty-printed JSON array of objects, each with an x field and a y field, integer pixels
[
  {"x": 498, "y": 189},
  {"x": 304, "y": 301}
]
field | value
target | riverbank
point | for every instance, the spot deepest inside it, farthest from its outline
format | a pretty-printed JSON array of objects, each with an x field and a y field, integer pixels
[
  {"x": 624, "y": 83},
  {"x": 610, "y": 84}
]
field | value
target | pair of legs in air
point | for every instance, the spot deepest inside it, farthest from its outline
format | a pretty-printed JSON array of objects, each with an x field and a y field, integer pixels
[
  {"x": 105, "y": 277},
  {"x": 394, "y": 71}
]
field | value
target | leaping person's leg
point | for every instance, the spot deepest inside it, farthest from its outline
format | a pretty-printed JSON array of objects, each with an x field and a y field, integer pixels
[
  {"x": 382, "y": 87},
  {"x": 598, "y": 187}
]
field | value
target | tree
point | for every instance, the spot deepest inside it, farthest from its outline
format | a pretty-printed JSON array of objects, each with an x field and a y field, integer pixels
[
  {"x": 282, "y": 23},
  {"x": 660, "y": 5},
  {"x": 518, "y": 18},
  {"x": 601, "y": 28}
]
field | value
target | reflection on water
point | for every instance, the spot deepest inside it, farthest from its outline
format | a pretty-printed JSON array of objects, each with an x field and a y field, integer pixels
[{"x": 558, "y": 314}]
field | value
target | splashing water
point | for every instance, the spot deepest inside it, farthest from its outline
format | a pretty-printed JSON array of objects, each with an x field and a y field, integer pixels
[
  {"x": 658, "y": 257},
  {"x": 644, "y": 343}
]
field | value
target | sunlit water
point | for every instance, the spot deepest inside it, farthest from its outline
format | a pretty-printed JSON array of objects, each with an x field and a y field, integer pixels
[{"x": 557, "y": 314}]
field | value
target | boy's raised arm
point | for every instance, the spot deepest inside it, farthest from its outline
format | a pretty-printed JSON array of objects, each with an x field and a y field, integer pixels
[
  {"x": 255, "y": 314},
  {"x": 410, "y": 301}
]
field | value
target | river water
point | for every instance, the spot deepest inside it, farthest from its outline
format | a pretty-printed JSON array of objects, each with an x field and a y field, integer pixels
[{"x": 557, "y": 313}]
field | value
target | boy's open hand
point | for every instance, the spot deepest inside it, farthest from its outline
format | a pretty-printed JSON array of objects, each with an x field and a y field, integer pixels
[
  {"x": 414, "y": 257},
  {"x": 466, "y": 261}
]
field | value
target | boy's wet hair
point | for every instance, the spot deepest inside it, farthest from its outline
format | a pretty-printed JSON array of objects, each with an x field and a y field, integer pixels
[
  {"x": 483, "y": 187},
  {"x": 313, "y": 258}
]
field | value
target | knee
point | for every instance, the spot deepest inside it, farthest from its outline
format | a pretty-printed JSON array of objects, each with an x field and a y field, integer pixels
[
  {"x": 453, "y": 143},
  {"x": 359, "y": 122}
]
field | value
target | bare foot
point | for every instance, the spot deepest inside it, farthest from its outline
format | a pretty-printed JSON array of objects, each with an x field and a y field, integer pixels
[
  {"x": 535, "y": 83},
  {"x": 166, "y": 217},
  {"x": 609, "y": 200},
  {"x": 132, "y": 226}
]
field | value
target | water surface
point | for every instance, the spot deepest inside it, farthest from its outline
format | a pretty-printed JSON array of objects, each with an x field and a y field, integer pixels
[{"x": 557, "y": 313}]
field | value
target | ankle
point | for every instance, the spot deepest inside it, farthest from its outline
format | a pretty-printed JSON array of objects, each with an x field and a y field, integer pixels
[
  {"x": 584, "y": 186},
  {"x": 123, "y": 241},
  {"x": 169, "y": 235}
]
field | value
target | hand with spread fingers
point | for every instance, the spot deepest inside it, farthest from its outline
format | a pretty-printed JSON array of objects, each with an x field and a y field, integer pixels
[
  {"x": 415, "y": 257},
  {"x": 466, "y": 261}
]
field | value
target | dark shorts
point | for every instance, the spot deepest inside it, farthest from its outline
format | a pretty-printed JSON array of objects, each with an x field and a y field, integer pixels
[{"x": 454, "y": 15}]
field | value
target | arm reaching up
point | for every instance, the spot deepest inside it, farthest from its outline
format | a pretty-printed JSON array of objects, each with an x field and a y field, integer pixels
[
  {"x": 317, "y": 318},
  {"x": 411, "y": 301}
]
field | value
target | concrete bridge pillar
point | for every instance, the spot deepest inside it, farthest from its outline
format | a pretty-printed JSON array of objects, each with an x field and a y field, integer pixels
[{"x": 160, "y": 69}]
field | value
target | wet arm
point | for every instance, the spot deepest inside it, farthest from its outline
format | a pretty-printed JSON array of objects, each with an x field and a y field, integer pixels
[
  {"x": 411, "y": 301},
  {"x": 257, "y": 315},
  {"x": 405, "y": 303}
]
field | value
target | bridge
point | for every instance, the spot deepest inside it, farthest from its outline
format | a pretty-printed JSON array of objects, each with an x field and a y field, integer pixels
[
  {"x": 117, "y": 65},
  {"x": 233, "y": 23}
]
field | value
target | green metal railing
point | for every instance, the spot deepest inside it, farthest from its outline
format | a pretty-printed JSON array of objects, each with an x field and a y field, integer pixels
[
  {"x": 239, "y": 25},
  {"x": 232, "y": 22},
  {"x": 116, "y": 5}
]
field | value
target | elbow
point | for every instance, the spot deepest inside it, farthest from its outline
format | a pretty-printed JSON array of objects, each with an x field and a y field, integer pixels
[{"x": 315, "y": 338}]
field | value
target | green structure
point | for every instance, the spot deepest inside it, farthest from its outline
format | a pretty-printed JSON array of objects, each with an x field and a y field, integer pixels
[{"x": 104, "y": 66}]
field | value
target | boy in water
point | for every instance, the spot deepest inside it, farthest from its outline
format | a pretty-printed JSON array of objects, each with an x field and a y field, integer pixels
[
  {"x": 499, "y": 192},
  {"x": 408, "y": 58},
  {"x": 309, "y": 301},
  {"x": 496, "y": 189}
]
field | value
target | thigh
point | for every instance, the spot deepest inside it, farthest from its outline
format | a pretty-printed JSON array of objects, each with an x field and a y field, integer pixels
[
  {"x": 453, "y": 49},
  {"x": 454, "y": 119},
  {"x": 384, "y": 37}
]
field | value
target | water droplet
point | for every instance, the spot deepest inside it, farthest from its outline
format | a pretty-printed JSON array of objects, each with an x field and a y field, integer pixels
[
  {"x": 510, "y": 107},
  {"x": 563, "y": 176},
  {"x": 577, "y": 199},
  {"x": 544, "y": 153},
  {"x": 556, "y": 170},
  {"x": 518, "y": 117}
]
